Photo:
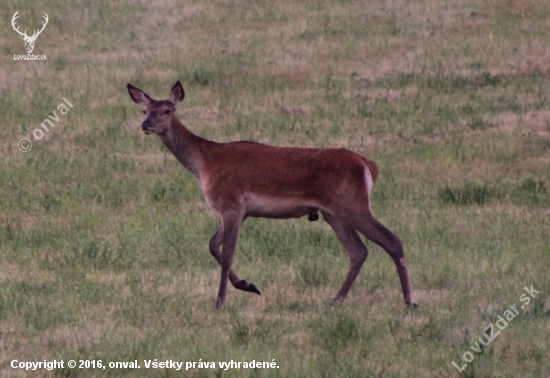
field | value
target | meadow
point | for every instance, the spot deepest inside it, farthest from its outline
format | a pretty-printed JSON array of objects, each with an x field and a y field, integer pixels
[{"x": 104, "y": 235}]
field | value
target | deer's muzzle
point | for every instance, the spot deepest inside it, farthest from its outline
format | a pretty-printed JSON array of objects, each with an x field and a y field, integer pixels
[{"x": 145, "y": 127}]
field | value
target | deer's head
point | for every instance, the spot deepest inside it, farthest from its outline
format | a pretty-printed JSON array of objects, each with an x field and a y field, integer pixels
[
  {"x": 29, "y": 41},
  {"x": 159, "y": 113}
]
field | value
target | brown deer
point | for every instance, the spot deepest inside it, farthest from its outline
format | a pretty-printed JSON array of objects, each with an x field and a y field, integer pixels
[{"x": 245, "y": 179}]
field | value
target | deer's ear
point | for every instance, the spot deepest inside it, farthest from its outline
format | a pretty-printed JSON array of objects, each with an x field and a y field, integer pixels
[
  {"x": 177, "y": 94},
  {"x": 138, "y": 96}
]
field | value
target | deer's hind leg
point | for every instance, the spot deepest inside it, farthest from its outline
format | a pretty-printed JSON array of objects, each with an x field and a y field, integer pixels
[
  {"x": 379, "y": 234},
  {"x": 357, "y": 252}
]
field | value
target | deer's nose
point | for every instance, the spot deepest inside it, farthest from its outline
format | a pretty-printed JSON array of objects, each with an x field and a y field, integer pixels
[{"x": 145, "y": 125}]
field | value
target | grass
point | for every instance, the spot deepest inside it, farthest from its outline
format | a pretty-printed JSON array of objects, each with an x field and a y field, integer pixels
[{"x": 104, "y": 236}]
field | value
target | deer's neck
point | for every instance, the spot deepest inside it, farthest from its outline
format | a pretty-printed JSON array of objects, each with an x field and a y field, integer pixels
[{"x": 187, "y": 147}]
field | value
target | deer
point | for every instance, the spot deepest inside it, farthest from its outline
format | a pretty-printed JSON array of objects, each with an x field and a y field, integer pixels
[
  {"x": 246, "y": 179},
  {"x": 29, "y": 41}
]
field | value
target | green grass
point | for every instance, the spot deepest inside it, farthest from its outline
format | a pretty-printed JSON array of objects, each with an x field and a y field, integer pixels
[{"x": 104, "y": 235}]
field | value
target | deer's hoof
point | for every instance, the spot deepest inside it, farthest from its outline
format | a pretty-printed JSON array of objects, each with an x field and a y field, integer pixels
[
  {"x": 244, "y": 285},
  {"x": 253, "y": 289}
]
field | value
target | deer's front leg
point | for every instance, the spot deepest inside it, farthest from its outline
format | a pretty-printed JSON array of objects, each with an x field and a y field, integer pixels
[
  {"x": 231, "y": 221},
  {"x": 214, "y": 245}
]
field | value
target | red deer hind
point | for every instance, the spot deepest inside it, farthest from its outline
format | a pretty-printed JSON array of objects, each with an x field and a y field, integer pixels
[{"x": 245, "y": 179}]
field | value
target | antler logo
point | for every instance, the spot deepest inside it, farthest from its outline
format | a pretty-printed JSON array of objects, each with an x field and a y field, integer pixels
[{"x": 29, "y": 41}]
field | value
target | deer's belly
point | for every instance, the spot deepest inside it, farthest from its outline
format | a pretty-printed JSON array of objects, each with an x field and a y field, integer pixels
[{"x": 278, "y": 207}]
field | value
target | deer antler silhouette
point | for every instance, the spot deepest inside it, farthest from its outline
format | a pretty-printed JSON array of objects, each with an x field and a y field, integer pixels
[{"x": 29, "y": 41}]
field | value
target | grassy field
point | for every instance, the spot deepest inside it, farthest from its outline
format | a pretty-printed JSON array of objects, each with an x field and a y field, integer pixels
[{"x": 104, "y": 235}]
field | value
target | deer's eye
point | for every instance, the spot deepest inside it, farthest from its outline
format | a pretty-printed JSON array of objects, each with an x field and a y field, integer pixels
[{"x": 167, "y": 111}]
